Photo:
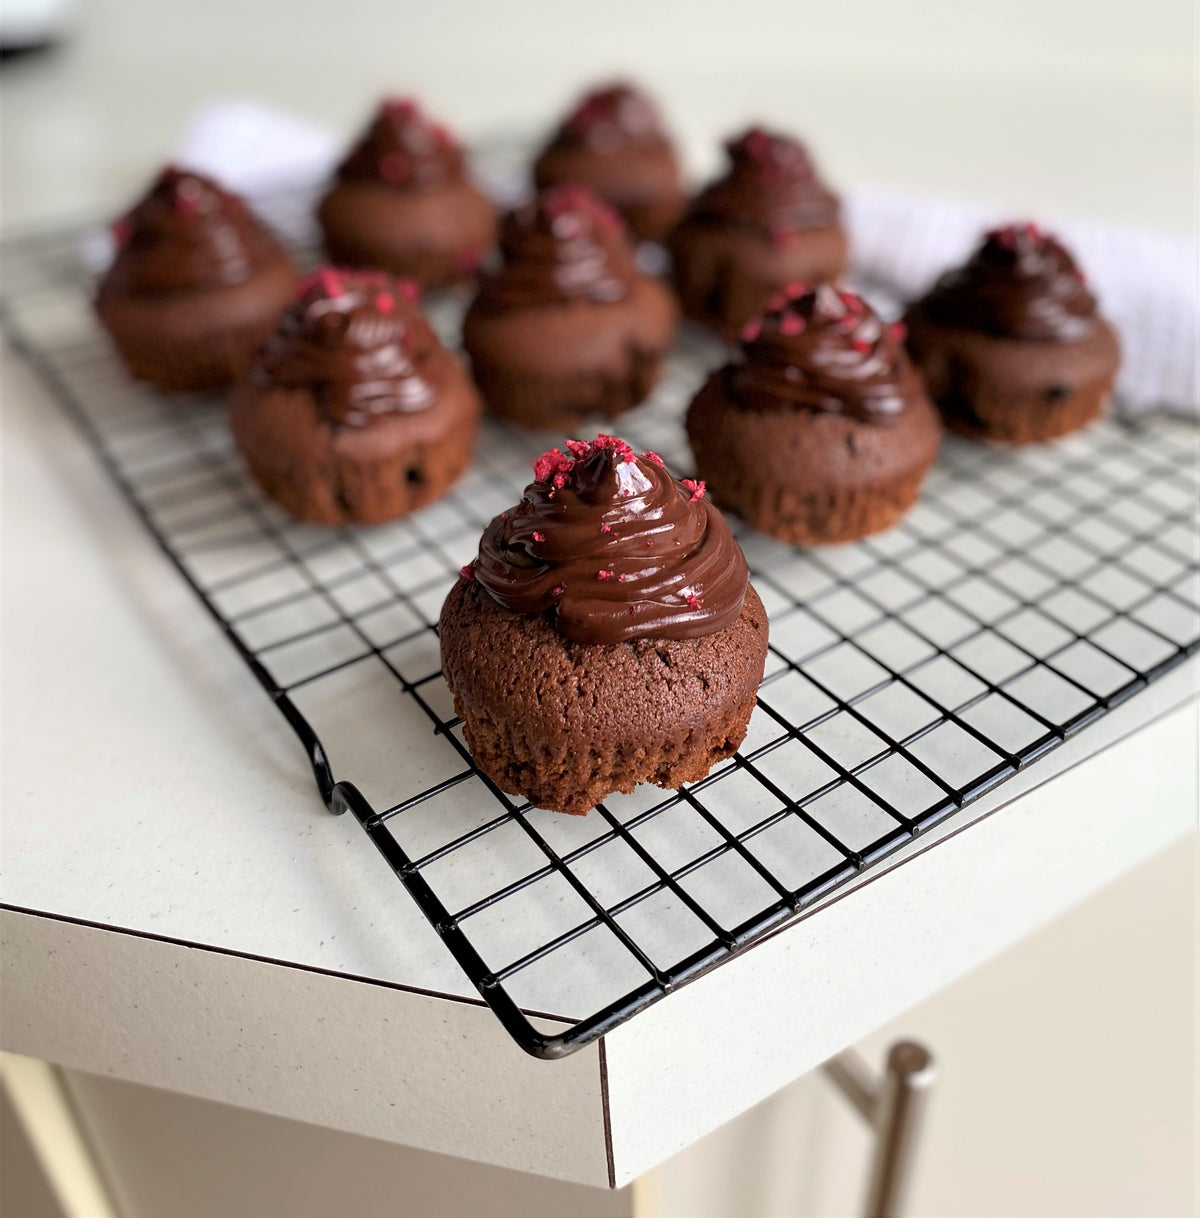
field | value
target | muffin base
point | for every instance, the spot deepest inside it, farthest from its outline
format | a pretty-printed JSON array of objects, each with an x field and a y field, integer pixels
[
  {"x": 810, "y": 478},
  {"x": 354, "y": 475},
  {"x": 437, "y": 237},
  {"x": 567, "y": 724},
  {"x": 555, "y": 365},
  {"x": 196, "y": 342},
  {"x": 1009, "y": 391},
  {"x": 725, "y": 274}
]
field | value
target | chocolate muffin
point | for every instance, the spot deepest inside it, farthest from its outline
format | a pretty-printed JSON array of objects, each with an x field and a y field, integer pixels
[
  {"x": 613, "y": 142},
  {"x": 568, "y": 327},
  {"x": 820, "y": 431},
  {"x": 606, "y": 634},
  {"x": 1011, "y": 345},
  {"x": 402, "y": 202},
  {"x": 769, "y": 221},
  {"x": 196, "y": 284},
  {"x": 353, "y": 412}
]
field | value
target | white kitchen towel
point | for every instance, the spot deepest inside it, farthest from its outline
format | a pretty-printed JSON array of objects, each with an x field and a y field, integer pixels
[{"x": 1146, "y": 281}]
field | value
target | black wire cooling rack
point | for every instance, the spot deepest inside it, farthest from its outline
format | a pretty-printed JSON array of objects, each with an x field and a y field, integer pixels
[{"x": 1026, "y": 594}]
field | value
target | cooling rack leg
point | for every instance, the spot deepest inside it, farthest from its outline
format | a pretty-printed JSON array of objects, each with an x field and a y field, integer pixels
[{"x": 894, "y": 1107}]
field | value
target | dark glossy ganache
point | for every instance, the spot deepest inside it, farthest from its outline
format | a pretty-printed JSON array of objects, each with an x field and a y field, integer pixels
[{"x": 613, "y": 548}]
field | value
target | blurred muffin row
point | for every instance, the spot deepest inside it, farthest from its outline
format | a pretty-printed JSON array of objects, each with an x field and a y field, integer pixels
[{"x": 818, "y": 429}]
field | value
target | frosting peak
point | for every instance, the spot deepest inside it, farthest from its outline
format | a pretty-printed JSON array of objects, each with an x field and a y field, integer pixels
[
  {"x": 771, "y": 185},
  {"x": 825, "y": 350},
  {"x": 358, "y": 342},
  {"x": 403, "y": 147},
  {"x": 565, "y": 245},
  {"x": 1020, "y": 283},
  {"x": 186, "y": 234},
  {"x": 612, "y": 117},
  {"x": 613, "y": 548}
]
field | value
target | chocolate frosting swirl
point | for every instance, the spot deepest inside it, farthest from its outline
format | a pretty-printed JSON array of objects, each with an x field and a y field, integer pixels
[
  {"x": 613, "y": 548},
  {"x": 357, "y": 341},
  {"x": 403, "y": 147},
  {"x": 188, "y": 234},
  {"x": 608, "y": 119},
  {"x": 1020, "y": 283},
  {"x": 565, "y": 245},
  {"x": 771, "y": 186},
  {"x": 824, "y": 350}
]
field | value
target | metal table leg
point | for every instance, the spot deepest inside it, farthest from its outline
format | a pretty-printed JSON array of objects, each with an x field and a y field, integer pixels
[{"x": 894, "y": 1107}]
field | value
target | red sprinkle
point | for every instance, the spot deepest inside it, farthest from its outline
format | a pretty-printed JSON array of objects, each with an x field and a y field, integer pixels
[
  {"x": 187, "y": 196},
  {"x": 861, "y": 345},
  {"x": 899, "y": 331},
  {"x": 467, "y": 262},
  {"x": 606, "y": 575},
  {"x": 606, "y": 528},
  {"x": 694, "y": 602},
  {"x": 752, "y": 329},
  {"x": 551, "y": 463},
  {"x": 539, "y": 536},
  {"x": 394, "y": 167},
  {"x": 399, "y": 107},
  {"x": 791, "y": 324},
  {"x": 649, "y": 456},
  {"x": 619, "y": 447},
  {"x": 696, "y": 487},
  {"x": 385, "y": 303},
  {"x": 1008, "y": 236},
  {"x": 468, "y": 572},
  {"x": 558, "y": 589},
  {"x": 757, "y": 144},
  {"x": 571, "y": 208}
]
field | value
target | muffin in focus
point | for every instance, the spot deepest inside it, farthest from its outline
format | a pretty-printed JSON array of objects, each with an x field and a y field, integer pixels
[
  {"x": 606, "y": 635},
  {"x": 197, "y": 282},
  {"x": 568, "y": 327},
  {"x": 402, "y": 202},
  {"x": 353, "y": 412},
  {"x": 614, "y": 143},
  {"x": 1011, "y": 344},
  {"x": 769, "y": 221},
  {"x": 820, "y": 430}
]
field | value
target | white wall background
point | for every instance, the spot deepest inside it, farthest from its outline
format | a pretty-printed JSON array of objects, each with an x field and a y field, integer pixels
[{"x": 1056, "y": 106}]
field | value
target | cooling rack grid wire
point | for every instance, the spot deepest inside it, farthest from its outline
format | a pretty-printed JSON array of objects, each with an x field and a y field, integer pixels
[{"x": 1028, "y": 593}]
